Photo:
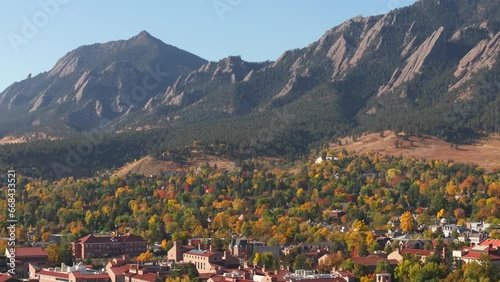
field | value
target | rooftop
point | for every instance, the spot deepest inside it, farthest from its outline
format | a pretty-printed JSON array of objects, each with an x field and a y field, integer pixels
[
  {"x": 29, "y": 252},
  {"x": 92, "y": 239}
]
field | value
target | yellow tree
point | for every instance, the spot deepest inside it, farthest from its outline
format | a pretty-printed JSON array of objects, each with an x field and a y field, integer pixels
[
  {"x": 440, "y": 214},
  {"x": 370, "y": 238},
  {"x": 52, "y": 251},
  {"x": 256, "y": 259},
  {"x": 406, "y": 222},
  {"x": 145, "y": 256},
  {"x": 164, "y": 243}
]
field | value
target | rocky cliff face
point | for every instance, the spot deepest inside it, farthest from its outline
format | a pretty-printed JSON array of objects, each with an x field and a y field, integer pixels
[
  {"x": 192, "y": 87},
  {"x": 414, "y": 63},
  {"x": 483, "y": 56}
]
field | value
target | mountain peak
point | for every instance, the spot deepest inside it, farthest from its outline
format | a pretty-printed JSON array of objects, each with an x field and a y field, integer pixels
[{"x": 143, "y": 37}]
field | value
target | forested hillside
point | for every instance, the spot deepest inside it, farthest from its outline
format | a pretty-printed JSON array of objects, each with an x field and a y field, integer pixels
[{"x": 430, "y": 68}]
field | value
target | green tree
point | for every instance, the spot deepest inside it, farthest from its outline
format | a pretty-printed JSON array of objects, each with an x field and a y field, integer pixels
[
  {"x": 301, "y": 262},
  {"x": 382, "y": 266}
]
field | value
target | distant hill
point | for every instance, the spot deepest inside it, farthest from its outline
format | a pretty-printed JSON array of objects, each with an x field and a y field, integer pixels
[
  {"x": 153, "y": 166},
  {"x": 484, "y": 152}
]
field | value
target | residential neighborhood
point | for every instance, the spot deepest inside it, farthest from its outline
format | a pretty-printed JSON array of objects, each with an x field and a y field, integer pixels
[{"x": 128, "y": 258}]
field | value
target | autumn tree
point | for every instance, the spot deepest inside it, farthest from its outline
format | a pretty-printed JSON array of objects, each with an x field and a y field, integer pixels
[
  {"x": 256, "y": 259},
  {"x": 407, "y": 222},
  {"x": 330, "y": 261},
  {"x": 146, "y": 256},
  {"x": 59, "y": 254}
]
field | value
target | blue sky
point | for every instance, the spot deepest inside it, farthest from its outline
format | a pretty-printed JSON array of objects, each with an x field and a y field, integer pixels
[{"x": 34, "y": 34}]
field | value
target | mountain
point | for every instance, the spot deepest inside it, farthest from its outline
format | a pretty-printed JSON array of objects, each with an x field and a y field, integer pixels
[
  {"x": 95, "y": 83},
  {"x": 430, "y": 68}
]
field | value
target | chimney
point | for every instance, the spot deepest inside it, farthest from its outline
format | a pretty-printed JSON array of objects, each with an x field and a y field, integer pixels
[{"x": 211, "y": 249}]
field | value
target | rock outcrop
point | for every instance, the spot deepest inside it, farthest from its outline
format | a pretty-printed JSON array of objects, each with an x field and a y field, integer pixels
[
  {"x": 338, "y": 55},
  {"x": 66, "y": 65},
  {"x": 369, "y": 38},
  {"x": 414, "y": 63},
  {"x": 483, "y": 55}
]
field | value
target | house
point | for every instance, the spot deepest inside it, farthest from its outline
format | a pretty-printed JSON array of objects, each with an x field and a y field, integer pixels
[
  {"x": 399, "y": 253},
  {"x": 478, "y": 226},
  {"x": 25, "y": 256},
  {"x": 474, "y": 237},
  {"x": 94, "y": 246},
  {"x": 407, "y": 241},
  {"x": 488, "y": 248},
  {"x": 490, "y": 243},
  {"x": 448, "y": 229}
]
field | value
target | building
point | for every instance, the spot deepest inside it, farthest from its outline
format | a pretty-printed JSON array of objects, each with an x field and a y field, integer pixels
[
  {"x": 7, "y": 278},
  {"x": 478, "y": 226},
  {"x": 210, "y": 261},
  {"x": 474, "y": 237},
  {"x": 121, "y": 271},
  {"x": 448, "y": 230},
  {"x": 383, "y": 277},
  {"x": 311, "y": 276},
  {"x": 76, "y": 273},
  {"x": 25, "y": 256},
  {"x": 487, "y": 248},
  {"x": 398, "y": 254},
  {"x": 58, "y": 238},
  {"x": 241, "y": 247},
  {"x": 94, "y": 246},
  {"x": 370, "y": 262},
  {"x": 176, "y": 253}
]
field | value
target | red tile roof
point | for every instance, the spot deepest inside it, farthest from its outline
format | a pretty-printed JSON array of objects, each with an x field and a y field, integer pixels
[
  {"x": 29, "y": 252},
  {"x": 338, "y": 279},
  {"x": 90, "y": 275},
  {"x": 372, "y": 261},
  {"x": 417, "y": 252},
  {"x": 146, "y": 277},
  {"x": 92, "y": 239},
  {"x": 120, "y": 270},
  {"x": 200, "y": 253},
  {"x": 477, "y": 255},
  {"x": 5, "y": 277},
  {"x": 487, "y": 242},
  {"x": 53, "y": 274},
  {"x": 345, "y": 274},
  {"x": 205, "y": 276}
]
